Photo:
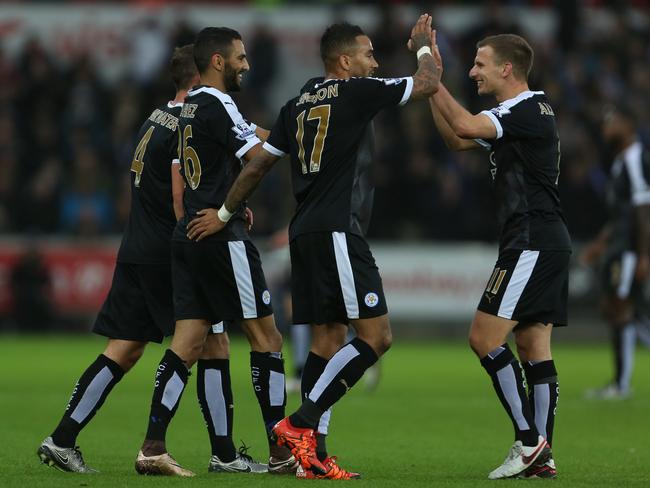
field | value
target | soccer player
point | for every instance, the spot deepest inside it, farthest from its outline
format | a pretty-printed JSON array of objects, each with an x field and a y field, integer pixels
[
  {"x": 527, "y": 291},
  {"x": 623, "y": 244},
  {"x": 139, "y": 306},
  {"x": 327, "y": 130},
  {"x": 219, "y": 278}
]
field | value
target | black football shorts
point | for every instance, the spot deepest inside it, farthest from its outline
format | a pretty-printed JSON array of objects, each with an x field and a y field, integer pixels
[
  {"x": 139, "y": 306},
  {"x": 334, "y": 278},
  {"x": 529, "y": 287},
  {"x": 219, "y": 281}
]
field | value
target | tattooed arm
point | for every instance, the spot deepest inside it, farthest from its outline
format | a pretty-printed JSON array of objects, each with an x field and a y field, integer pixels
[
  {"x": 210, "y": 221},
  {"x": 249, "y": 178}
]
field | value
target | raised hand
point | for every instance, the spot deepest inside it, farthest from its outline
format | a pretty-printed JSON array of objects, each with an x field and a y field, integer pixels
[
  {"x": 437, "y": 58},
  {"x": 421, "y": 33}
]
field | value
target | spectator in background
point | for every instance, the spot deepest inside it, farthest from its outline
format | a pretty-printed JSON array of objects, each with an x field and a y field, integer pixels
[
  {"x": 30, "y": 286},
  {"x": 86, "y": 105},
  {"x": 263, "y": 51},
  {"x": 149, "y": 48},
  {"x": 40, "y": 200},
  {"x": 86, "y": 207},
  {"x": 9, "y": 166},
  {"x": 588, "y": 64}
]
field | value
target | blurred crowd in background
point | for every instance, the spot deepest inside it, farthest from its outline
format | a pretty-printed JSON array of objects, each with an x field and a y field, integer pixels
[{"x": 67, "y": 136}]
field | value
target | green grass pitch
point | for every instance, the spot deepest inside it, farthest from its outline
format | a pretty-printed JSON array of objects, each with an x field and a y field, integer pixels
[{"x": 433, "y": 421}]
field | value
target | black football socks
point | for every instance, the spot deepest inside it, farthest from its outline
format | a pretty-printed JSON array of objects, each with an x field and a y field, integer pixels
[
  {"x": 267, "y": 375},
  {"x": 171, "y": 378},
  {"x": 87, "y": 398},
  {"x": 214, "y": 391},
  {"x": 543, "y": 394},
  {"x": 341, "y": 373},
  {"x": 508, "y": 382},
  {"x": 312, "y": 370}
]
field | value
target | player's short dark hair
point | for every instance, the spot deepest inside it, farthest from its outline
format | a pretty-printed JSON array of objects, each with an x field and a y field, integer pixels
[
  {"x": 211, "y": 41},
  {"x": 182, "y": 67},
  {"x": 514, "y": 49},
  {"x": 338, "y": 39}
]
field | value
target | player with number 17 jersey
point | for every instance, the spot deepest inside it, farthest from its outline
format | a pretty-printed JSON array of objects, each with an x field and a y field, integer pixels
[{"x": 328, "y": 131}]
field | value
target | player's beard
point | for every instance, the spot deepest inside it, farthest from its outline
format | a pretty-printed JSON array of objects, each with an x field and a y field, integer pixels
[{"x": 231, "y": 79}]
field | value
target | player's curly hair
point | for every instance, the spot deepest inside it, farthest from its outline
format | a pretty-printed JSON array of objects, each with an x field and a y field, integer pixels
[
  {"x": 211, "y": 41},
  {"x": 338, "y": 39},
  {"x": 513, "y": 49},
  {"x": 182, "y": 67}
]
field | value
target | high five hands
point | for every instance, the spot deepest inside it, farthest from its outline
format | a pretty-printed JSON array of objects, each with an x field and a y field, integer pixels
[{"x": 422, "y": 35}]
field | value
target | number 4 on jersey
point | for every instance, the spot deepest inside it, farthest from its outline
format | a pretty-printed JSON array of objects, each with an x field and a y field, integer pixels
[
  {"x": 322, "y": 114},
  {"x": 137, "y": 165}
]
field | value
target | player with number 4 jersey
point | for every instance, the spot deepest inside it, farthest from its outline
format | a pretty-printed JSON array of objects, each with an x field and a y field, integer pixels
[{"x": 139, "y": 306}]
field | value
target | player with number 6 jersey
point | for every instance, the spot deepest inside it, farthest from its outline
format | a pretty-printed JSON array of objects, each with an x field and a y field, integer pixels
[
  {"x": 217, "y": 277},
  {"x": 139, "y": 306}
]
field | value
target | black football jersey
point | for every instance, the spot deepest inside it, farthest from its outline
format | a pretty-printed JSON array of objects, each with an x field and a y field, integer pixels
[
  {"x": 151, "y": 222},
  {"x": 627, "y": 189},
  {"x": 213, "y": 136},
  {"x": 327, "y": 131},
  {"x": 525, "y": 167}
]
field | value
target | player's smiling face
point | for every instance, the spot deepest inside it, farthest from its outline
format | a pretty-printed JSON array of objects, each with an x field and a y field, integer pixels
[
  {"x": 235, "y": 66},
  {"x": 486, "y": 72},
  {"x": 362, "y": 61}
]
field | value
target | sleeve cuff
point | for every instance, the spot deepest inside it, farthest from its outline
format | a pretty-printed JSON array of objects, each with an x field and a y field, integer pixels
[
  {"x": 407, "y": 90},
  {"x": 250, "y": 142},
  {"x": 495, "y": 121},
  {"x": 273, "y": 150}
]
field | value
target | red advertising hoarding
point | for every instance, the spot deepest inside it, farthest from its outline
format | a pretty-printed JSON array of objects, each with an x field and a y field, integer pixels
[{"x": 80, "y": 274}]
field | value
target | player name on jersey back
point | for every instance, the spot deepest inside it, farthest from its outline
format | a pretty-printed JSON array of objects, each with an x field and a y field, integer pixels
[
  {"x": 327, "y": 130},
  {"x": 151, "y": 221},
  {"x": 165, "y": 119}
]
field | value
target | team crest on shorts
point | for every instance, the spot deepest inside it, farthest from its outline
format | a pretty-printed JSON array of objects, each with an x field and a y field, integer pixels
[
  {"x": 371, "y": 299},
  {"x": 266, "y": 297}
]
